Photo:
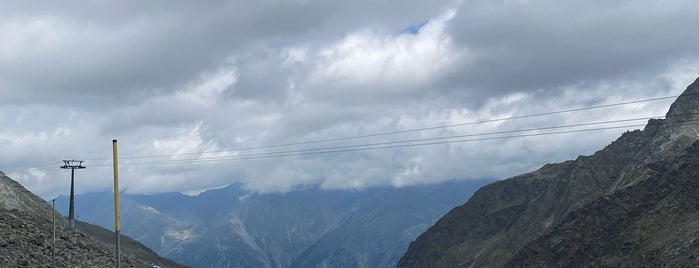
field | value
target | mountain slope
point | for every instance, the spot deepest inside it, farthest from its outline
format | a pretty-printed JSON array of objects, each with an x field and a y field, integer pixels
[
  {"x": 129, "y": 246},
  {"x": 653, "y": 223},
  {"x": 25, "y": 241},
  {"x": 13, "y": 196},
  {"x": 27, "y": 226},
  {"x": 502, "y": 217}
]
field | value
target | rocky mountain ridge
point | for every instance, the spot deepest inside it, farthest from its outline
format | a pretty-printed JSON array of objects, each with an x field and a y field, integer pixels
[{"x": 501, "y": 218}]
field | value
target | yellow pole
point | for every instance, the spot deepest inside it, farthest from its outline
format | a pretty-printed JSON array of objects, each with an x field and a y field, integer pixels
[
  {"x": 117, "y": 224},
  {"x": 53, "y": 206},
  {"x": 53, "y": 247}
]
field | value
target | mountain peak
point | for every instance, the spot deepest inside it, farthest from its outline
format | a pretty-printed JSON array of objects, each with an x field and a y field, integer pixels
[
  {"x": 686, "y": 107},
  {"x": 670, "y": 136}
]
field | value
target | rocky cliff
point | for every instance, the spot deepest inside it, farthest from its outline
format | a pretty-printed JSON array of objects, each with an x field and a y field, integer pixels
[{"x": 501, "y": 218}]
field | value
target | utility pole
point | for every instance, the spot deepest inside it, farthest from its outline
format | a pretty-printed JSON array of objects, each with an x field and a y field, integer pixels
[
  {"x": 53, "y": 245},
  {"x": 72, "y": 165},
  {"x": 117, "y": 222}
]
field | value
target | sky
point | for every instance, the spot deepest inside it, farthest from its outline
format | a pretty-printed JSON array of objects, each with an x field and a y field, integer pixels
[{"x": 208, "y": 89}]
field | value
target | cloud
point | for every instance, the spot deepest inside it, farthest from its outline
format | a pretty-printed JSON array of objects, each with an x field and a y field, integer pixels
[
  {"x": 388, "y": 65},
  {"x": 177, "y": 79},
  {"x": 548, "y": 44},
  {"x": 373, "y": 57}
]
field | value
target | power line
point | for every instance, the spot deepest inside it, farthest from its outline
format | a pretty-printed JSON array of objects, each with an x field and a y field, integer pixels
[
  {"x": 400, "y": 144},
  {"x": 460, "y": 124},
  {"x": 422, "y": 139},
  {"x": 398, "y": 131},
  {"x": 51, "y": 166},
  {"x": 46, "y": 168},
  {"x": 253, "y": 156}
]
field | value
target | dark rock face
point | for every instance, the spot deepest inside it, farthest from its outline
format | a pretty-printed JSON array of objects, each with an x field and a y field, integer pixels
[
  {"x": 653, "y": 223},
  {"x": 26, "y": 241},
  {"x": 501, "y": 218}
]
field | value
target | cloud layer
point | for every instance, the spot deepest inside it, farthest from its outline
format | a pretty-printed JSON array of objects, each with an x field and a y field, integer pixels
[{"x": 173, "y": 79}]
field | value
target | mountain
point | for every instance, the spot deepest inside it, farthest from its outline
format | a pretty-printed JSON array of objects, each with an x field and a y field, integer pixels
[
  {"x": 232, "y": 227},
  {"x": 26, "y": 236},
  {"x": 653, "y": 223},
  {"x": 543, "y": 217},
  {"x": 381, "y": 223},
  {"x": 13, "y": 196}
]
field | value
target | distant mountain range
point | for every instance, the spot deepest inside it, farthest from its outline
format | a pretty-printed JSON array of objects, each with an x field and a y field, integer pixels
[
  {"x": 231, "y": 227},
  {"x": 631, "y": 204}
]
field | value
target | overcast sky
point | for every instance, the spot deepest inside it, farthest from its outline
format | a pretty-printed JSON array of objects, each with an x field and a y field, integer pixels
[{"x": 173, "y": 77}]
